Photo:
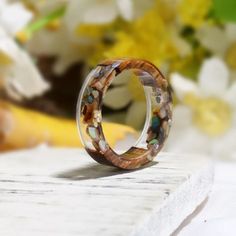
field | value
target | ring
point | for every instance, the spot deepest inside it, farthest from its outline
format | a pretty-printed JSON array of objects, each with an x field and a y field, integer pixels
[{"x": 158, "y": 114}]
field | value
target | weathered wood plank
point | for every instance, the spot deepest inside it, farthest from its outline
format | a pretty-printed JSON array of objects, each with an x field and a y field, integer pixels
[{"x": 64, "y": 192}]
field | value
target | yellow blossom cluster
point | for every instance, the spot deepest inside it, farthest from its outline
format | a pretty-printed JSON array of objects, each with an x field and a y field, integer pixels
[{"x": 194, "y": 12}]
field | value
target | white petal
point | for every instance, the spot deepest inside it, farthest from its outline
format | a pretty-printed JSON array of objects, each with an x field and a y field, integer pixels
[
  {"x": 45, "y": 7},
  {"x": 230, "y": 95},
  {"x": 140, "y": 7},
  {"x": 181, "y": 44},
  {"x": 22, "y": 76},
  {"x": 25, "y": 78},
  {"x": 207, "y": 36},
  {"x": 182, "y": 85},
  {"x": 213, "y": 77},
  {"x": 136, "y": 115},
  {"x": 74, "y": 13},
  {"x": 101, "y": 12},
  {"x": 117, "y": 98},
  {"x": 5, "y": 43},
  {"x": 48, "y": 43},
  {"x": 182, "y": 118},
  {"x": 224, "y": 147},
  {"x": 89, "y": 11},
  {"x": 231, "y": 32},
  {"x": 62, "y": 64},
  {"x": 57, "y": 43},
  {"x": 14, "y": 17},
  {"x": 126, "y": 8},
  {"x": 184, "y": 137}
]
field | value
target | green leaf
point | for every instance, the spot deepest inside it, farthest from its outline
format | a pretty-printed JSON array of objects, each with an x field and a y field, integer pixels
[{"x": 225, "y": 10}]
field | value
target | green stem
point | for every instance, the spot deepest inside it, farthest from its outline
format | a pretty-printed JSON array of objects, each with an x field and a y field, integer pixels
[{"x": 42, "y": 22}]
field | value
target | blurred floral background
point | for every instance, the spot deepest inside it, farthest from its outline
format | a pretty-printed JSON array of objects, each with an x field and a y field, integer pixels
[{"x": 48, "y": 47}]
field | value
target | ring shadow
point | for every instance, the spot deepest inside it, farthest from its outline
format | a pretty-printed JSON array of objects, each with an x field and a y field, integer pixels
[{"x": 95, "y": 171}]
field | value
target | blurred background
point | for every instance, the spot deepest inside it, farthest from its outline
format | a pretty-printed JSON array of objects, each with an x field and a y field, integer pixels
[{"x": 47, "y": 47}]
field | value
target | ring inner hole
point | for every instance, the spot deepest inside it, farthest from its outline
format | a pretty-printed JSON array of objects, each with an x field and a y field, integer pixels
[{"x": 127, "y": 102}]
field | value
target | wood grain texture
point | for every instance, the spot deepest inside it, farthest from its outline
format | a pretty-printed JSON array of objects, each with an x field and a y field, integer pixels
[{"x": 63, "y": 192}]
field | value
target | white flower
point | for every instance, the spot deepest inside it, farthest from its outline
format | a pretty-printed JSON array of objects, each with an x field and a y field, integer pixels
[
  {"x": 220, "y": 41},
  {"x": 98, "y": 11},
  {"x": 18, "y": 73},
  {"x": 205, "y": 122},
  {"x": 217, "y": 39},
  {"x": 13, "y": 16},
  {"x": 102, "y": 11},
  {"x": 57, "y": 43},
  {"x": 66, "y": 43}
]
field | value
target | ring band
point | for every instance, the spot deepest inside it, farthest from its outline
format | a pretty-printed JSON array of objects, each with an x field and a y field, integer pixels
[{"x": 158, "y": 118}]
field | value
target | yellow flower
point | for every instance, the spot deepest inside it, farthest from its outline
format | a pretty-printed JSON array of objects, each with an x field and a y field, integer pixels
[
  {"x": 96, "y": 52},
  {"x": 189, "y": 65},
  {"x": 168, "y": 10},
  {"x": 194, "y": 12},
  {"x": 147, "y": 39},
  {"x": 91, "y": 30},
  {"x": 94, "y": 37}
]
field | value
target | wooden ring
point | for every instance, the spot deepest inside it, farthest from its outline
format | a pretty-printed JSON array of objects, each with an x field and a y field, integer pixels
[{"x": 158, "y": 119}]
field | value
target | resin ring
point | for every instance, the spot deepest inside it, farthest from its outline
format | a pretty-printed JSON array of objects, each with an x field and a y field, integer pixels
[{"x": 158, "y": 117}]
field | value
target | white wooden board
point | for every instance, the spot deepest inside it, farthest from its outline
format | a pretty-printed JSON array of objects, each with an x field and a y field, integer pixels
[{"x": 64, "y": 192}]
